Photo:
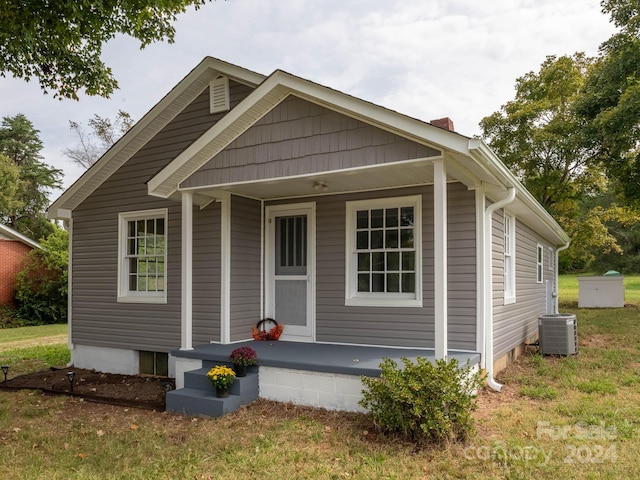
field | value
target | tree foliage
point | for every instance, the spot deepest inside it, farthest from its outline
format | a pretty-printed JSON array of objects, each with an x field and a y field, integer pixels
[
  {"x": 610, "y": 103},
  {"x": 570, "y": 153},
  {"x": 20, "y": 143},
  {"x": 42, "y": 285},
  {"x": 60, "y": 43},
  {"x": 537, "y": 134},
  {"x": 9, "y": 185},
  {"x": 103, "y": 133}
]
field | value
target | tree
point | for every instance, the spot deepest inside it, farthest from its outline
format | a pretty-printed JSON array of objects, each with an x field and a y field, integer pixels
[
  {"x": 538, "y": 135},
  {"x": 42, "y": 285},
  {"x": 610, "y": 103},
  {"x": 541, "y": 137},
  {"x": 20, "y": 143},
  {"x": 60, "y": 43},
  {"x": 104, "y": 133},
  {"x": 9, "y": 185}
]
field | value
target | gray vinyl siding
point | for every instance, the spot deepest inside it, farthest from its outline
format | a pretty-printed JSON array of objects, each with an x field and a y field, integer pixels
[
  {"x": 98, "y": 319},
  {"x": 407, "y": 327},
  {"x": 299, "y": 137},
  {"x": 515, "y": 323},
  {"x": 246, "y": 243},
  {"x": 206, "y": 274}
]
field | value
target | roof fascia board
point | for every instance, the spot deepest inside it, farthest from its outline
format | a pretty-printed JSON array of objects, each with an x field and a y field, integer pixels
[
  {"x": 144, "y": 130},
  {"x": 11, "y": 233}
]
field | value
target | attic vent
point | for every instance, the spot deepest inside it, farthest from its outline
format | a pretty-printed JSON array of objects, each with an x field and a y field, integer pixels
[{"x": 219, "y": 95}]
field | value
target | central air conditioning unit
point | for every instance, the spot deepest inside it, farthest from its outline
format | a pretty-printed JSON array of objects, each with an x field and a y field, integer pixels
[{"x": 558, "y": 334}]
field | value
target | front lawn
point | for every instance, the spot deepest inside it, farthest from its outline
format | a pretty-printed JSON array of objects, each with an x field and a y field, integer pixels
[{"x": 556, "y": 418}]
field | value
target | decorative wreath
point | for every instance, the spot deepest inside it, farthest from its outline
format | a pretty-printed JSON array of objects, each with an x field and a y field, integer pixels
[{"x": 260, "y": 330}]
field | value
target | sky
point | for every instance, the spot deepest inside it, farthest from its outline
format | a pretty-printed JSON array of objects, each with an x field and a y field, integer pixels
[{"x": 424, "y": 58}]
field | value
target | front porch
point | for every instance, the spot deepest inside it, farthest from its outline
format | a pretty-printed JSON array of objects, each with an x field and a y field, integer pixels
[{"x": 312, "y": 374}]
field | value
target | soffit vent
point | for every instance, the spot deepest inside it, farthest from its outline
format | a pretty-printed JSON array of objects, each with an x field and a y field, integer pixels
[{"x": 219, "y": 95}]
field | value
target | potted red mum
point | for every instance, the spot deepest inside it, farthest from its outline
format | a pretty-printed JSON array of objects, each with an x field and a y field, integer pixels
[{"x": 241, "y": 358}]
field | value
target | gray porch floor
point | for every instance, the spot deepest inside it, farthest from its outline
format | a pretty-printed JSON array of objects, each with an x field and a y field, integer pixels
[{"x": 320, "y": 357}]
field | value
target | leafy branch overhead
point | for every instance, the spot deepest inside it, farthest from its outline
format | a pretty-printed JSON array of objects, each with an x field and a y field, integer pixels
[{"x": 60, "y": 43}]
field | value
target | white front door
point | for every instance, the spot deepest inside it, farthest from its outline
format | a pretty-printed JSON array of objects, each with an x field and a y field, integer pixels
[{"x": 290, "y": 269}]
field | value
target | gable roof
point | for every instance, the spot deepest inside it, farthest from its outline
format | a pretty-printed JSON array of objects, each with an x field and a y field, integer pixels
[
  {"x": 144, "y": 130},
  {"x": 278, "y": 86},
  {"x": 14, "y": 235},
  {"x": 469, "y": 160}
]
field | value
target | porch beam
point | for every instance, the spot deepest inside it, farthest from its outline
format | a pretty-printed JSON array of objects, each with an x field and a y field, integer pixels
[
  {"x": 186, "y": 314},
  {"x": 440, "y": 258}
]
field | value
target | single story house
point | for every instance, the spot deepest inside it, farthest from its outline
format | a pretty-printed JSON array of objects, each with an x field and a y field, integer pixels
[
  {"x": 14, "y": 247},
  {"x": 241, "y": 196}
]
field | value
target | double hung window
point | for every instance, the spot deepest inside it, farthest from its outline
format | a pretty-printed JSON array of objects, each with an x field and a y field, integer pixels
[
  {"x": 509, "y": 259},
  {"x": 384, "y": 252},
  {"x": 143, "y": 256}
]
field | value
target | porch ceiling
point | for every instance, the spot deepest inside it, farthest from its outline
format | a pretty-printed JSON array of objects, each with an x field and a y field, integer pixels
[{"x": 385, "y": 176}]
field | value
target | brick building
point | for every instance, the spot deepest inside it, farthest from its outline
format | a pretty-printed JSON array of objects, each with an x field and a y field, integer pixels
[{"x": 14, "y": 247}]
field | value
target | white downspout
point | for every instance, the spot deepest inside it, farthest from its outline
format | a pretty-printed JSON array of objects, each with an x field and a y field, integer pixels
[
  {"x": 488, "y": 323},
  {"x": 555, "y": 286}
]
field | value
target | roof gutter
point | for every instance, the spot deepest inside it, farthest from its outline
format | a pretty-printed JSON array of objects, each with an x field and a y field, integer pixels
[{"x": 488, "y": 304}]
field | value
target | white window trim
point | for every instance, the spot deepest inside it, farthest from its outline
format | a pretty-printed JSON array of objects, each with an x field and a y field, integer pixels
[
  {"x": 539, "y": 263},
  {"x": 510, "y": 287},
  {"x": 352, "y": 296},
  {"x": 124, "y": 295}
]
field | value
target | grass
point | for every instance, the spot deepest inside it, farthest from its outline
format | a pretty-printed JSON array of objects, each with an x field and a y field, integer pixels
[
  {"x": 27, "y": 333},
  {"x": 557, "y": 417}
]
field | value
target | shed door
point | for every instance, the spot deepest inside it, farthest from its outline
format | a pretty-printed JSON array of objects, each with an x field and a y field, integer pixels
[{"x": 290, "y": 285}]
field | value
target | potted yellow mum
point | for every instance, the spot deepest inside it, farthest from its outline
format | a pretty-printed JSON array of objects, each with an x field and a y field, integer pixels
[{"x": 221, "y": 377}]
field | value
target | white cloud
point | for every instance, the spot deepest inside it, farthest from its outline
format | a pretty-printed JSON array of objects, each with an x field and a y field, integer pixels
[{"x": 428, "y": 59}]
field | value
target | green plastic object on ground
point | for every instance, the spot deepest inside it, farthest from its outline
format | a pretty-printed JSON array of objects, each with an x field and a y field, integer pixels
[{"x": 612, "y": 273}]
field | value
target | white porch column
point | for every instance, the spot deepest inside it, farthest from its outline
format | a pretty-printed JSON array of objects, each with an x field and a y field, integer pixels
[
  {"x": 225, "y": 268},
  {"x": 187, "y": 272},
  {"x": 440, "y": 257}
]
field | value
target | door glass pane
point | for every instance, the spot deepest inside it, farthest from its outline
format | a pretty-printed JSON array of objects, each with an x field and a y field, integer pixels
[{"x": 291, "y": 245}]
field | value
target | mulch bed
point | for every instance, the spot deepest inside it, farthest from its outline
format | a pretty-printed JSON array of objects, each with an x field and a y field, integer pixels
[{"x": 125, "y": 390}]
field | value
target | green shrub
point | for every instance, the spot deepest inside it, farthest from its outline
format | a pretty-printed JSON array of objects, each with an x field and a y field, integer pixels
[
  {"x": 423, "y": 401},
  {"x": 41, "y": 286}
]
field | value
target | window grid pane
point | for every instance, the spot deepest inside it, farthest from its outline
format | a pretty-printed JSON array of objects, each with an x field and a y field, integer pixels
[{"x": 385, "y": 250}]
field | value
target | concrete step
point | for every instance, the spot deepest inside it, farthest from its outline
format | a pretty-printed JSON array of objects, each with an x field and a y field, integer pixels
[
  {"x": 198, "y": 396},
  {"x": 246, "y": 387},
  {"x": 193, "y": 401}
]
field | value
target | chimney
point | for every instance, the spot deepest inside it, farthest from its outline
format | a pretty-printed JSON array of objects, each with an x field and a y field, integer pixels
[{"x": 445, "y": 123}]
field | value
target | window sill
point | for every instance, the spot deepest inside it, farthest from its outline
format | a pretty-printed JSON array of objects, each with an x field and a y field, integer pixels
[
  {"x": 142, "y": 299},
  {"x": 382, "y": 302}
]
